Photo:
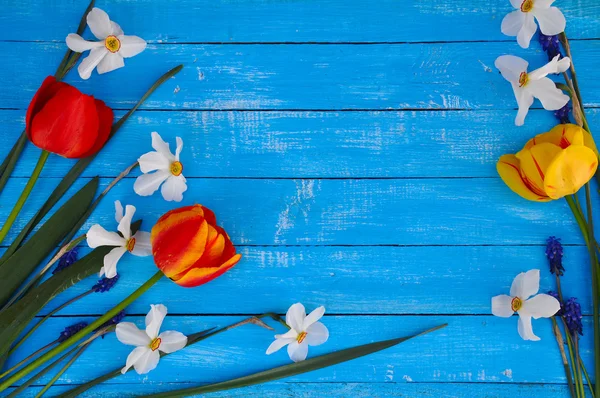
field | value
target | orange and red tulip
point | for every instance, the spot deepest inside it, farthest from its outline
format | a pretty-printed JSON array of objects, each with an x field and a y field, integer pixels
[
  {"x": 551, "y": 165},
  {"x": 189, "y": 247}
]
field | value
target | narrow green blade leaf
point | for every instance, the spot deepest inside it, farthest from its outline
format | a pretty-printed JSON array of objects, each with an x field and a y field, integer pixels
[
  {"x": 15, "y": 318},
  {"x": 294, "y": 369},
  {"x": 15, "y": 270},
  {"x": 10, "y": 162},
  {"x": 60, "y": 71}
]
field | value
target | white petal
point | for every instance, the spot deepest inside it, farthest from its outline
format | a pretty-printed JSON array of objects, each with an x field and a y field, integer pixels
[
  {"x": 511, "y": 67},
  {"x": 171, "y": 341},
  {"x": 129, "y": 334},
  {"x": 541, "y": 4},
  {"x": 153, "y": 161},
  {"x": 142, "y": 247},
  {"x": 313, "y": 317},
  {"x": 116, "y": 29},
  {"x": 131, "y": 46},
  {"x": 516, "y": 3},
  {"x": 551, "y": 97},
  {"x": 541, "y": 306},
  {"x": 295, "y": 317},
  {"x": 290, "y": 334},
  {"x": 135, "y": 356},
  {"x": 525, "y": 328},
  {"x": 526, "y": 284},
  {"x": 173, "y": 188},
  {"x": 162, "y": 147},
  {"x": 78, "y": 44},
  {"x": 298, "y": 351},
  {"x": 556, "y": 65},
  {"x": 179, "y": 147},
  {"x": 110, "y": 62},
  {"x": 512, "y": 23},
  {"x": 316, "y": 334},
  {"x": 98, "y": 236},
  {"x": 527, "y": 31},
  {"x": 278, "y": 344},
  {"x": 154, "y": 319},
  {"x": 147, "y": 184},
  {"x": 125, "y": 223},
  {"x": 88, "y": 64},
  {"x": 502, "y": 306},
  {"x": 147, "y": 362},
  {"x": 99, "y": 23},
  {"x": 524, "y": 100},
  {"x": 111, "y": 260},
  {"x": 551, "y": 20},
  {"x": 118, "y": 211}
]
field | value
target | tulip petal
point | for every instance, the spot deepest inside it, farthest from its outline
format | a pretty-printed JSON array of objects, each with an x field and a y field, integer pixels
[
  {"x": 295, "y": 317},
  {"x": 46, "y": 91},
  {"x": 541, "y": 306},
  {"x": 99, "y": 23},
  {"x": 131, "y": 46},
  {"x": 142, "y": 247},
  {"x": 172, "y": 341},
  {"x": 316, "y": 334},
  {"x": 78, "y": 44},
  {"x": 147, "y": 184},
  {"x": 525, "y": 328},
  {"x": 534, "y": 162},
  {"x": 508, "y": 168},
  {"x": 526, "y": 284},
  {"x": 173, "y": 188},
  {"x": 175, "y": 253},
  {"x": 154, "y": 319},
  {"x": 569, "y": 171},
  {"x": 105, "y": 119},
  {"x": 110, "y": 62},
  {"x": 278, "y": 344},
  {"x": 502, "y": 306},
  {"x": 199, "y": 276},
  {"x": 97, "y": 236},
  {"x": 86, "y": 67},
  {"x": 313, "y": 317},
  {"x": 551, "y": 20},
  {"x": 298, "y": 351},
  {"x": 128, "y": 333}
]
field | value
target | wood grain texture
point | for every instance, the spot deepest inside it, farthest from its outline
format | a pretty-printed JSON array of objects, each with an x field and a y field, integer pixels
[
  {"x": 322, "y": 77},
  {"x": 167, "y": 21},
  {"x": 474, "y": 349}
]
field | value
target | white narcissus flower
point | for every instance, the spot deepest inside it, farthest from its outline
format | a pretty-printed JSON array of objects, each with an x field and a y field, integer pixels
[
  {"x": 166, "y": 167},
  {"x": 108, "y": 53},
  {"x": 304, "y": 331},
  {"x": 528, "y": 86},
  {"x": 525, "y": 285},
  {"x": 138, "y": 244},
  {"x": 148, "y": 343},
  {"x": 521, "y": 22}
]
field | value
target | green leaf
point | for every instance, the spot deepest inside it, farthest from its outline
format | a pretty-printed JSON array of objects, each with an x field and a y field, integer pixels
[
  {"x": 77, "y": 170},
  {"x": 294, "y": 369},
  {"x": 15, "y": 270},
  {"x": 15, "y": 318}
]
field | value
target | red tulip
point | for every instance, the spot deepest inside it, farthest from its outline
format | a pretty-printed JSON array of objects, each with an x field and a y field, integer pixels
[{"x": 62, "y": 120}]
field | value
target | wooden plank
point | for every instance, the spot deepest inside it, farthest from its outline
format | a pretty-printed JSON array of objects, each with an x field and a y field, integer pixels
[
  {"x": 345, "y": 212},
  {"x": 310, "y": 144},
  {"x": 474, "y": 349},
  {"x": 319, "y": 390},
  {"x": 321, "y": 77},
  {"x": 283, "y": 21},
  {"x": 347, "y": 280}
]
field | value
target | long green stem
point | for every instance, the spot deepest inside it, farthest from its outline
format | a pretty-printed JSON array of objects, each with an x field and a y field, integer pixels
[
  {"x": 24, "y": 195},
  {"x": 575, "y": 339},
  {"x": 587, "y": 378},
  {"x": 62, "y": 370},
  {"x": 32, "y": 355},
  {"x": 561, "y": 347},
  {"x": 45, "y": 318},
  {"x": 73, "y": 340},
  {"x": 572, "y": 357},
  {"x": 593, "y": 262}
]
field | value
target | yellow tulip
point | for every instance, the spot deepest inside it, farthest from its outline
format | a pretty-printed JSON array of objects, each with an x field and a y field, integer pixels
[{"x": 551, "y": 165}]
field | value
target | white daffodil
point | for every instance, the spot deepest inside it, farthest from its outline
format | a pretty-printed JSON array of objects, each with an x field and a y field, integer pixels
[
  {"x": 304, "y": 331},
  {"x": 521, "y": 22},
  {"x": 108, "y": 53},
  {"x": 138, "y": 244},
  {"x": 166, "y": 167},
  {"x": 526, "y": 86},
  {"x": 525, "y": 285},
  {"x": 148, "y": 343}
]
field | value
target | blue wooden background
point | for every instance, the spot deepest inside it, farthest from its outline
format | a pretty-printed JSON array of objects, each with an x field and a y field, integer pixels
[{"x": 349, "y": 149}]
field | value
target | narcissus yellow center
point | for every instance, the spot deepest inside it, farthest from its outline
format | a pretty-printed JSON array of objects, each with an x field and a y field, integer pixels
[
  {"x": 523, "y": 79},
  {"x": 516, "y": 304},
  {"x": 112, "y": 44},
  {"x": 130, "y": 244},
  {"x": 176, "y": 168},
  {"x": 301, "y": 337},
  {"x": 155, "y": 344},
  {"x": 527, "y": 5}
]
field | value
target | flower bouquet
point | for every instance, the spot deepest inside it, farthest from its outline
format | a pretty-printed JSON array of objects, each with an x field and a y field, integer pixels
[{"x": 187, "y": 244}]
